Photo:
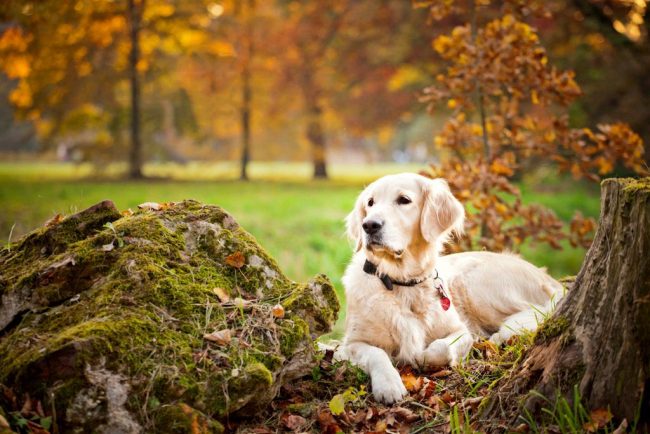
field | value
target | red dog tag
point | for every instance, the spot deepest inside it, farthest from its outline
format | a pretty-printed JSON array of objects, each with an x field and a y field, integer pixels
[{"x": 445, "y": 303}]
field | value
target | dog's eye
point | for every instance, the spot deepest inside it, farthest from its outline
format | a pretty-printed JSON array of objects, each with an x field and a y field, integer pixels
[
  {"x": 403, "y": 200},
  {"x": 371, "y": 202}
]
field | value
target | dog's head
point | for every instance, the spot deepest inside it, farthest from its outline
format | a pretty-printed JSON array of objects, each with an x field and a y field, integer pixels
[{"x": 398, "y": 214}]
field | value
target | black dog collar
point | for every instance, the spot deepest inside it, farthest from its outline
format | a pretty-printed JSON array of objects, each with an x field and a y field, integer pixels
[
  {"x": 445, "y": 302},
  {"x": 371, "y": 268}
]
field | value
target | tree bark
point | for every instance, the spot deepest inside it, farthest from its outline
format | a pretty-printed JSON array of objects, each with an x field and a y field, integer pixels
[
  {"x": 135, "y": 155},
  {"x": 599, "y": 337}
]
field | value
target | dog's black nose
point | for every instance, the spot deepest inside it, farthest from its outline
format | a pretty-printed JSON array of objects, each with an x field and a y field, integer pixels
[{"x": 372, "y": 226}]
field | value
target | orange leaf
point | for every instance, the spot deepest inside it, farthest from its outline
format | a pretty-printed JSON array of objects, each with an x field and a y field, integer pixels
[
  {"x": 601, "y": 416},
  {"x": 500, "y": 169},
  {"x": 411, "y": 382},
  {"x": 236, "y": 260},
  {"x": 54, "y": 221},
  {"x": 278, "y": 311}
]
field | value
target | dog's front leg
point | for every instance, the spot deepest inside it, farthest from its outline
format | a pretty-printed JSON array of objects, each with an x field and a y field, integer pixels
[
  {"x": 386, "y": 383},
  {"x": 450, "y": 350}
]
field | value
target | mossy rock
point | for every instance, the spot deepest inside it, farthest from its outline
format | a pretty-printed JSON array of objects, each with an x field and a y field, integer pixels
[{"x": 103, "y": 318}]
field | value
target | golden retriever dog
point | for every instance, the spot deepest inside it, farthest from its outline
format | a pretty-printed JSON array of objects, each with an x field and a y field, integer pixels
[{"x": 408, "y": 304}]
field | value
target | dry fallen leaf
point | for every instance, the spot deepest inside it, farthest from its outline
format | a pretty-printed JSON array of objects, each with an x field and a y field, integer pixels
[
  {"x": 472, "y": 401},
  {"x": 54, "y": 221},
  {"x": 440, "y": 374},
  {"x": 405, "y": 414},
  {"x": 62, "y": 263},
  {"x": 522, "y": 427},
  {"x": 411, "y": 382},
  {"x": 221, "y": 337},
  {"x": 487, "y": 347},
  {"x": 3, "y": 422},
  {"x": 622, "y": 428},
  {"x": 327, "y": 422},
  {"x": 598, "y": 419},
  {"x": 428, "y": 388},
  {"x": 221, "y": 294},
  {"x": 278, "y": 311},
  {"x": 294, "y": 422},
  {"x": 447, "y": 397},
  {"x": 236, "y": 260},
  {"x": 153, "y": 206},
  {"x": 108, "y": 247}
]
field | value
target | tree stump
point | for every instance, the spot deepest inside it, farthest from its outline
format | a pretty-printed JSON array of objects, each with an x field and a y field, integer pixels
[{"x": 599, "y": 337}]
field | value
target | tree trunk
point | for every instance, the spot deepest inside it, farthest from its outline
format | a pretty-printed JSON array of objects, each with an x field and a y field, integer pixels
[
  {"x": 598, "y": 340},
  {"x": 135, "y": 156},
  {"x": 246, "y": 87},
  {"x": 316, "y": 137},
  {"x": 315, "y": 133}
]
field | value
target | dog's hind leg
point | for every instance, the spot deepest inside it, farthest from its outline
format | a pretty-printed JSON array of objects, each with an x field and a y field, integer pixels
[
  {"x": 447, "y": 351},
  {"x": 520, "y": 322}
]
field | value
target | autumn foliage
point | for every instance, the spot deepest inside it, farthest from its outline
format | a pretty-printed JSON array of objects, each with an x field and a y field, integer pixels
[{"x": 509, "y": 106}]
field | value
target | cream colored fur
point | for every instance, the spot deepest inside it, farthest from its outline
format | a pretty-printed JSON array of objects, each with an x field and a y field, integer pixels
[{"x": 492, "y": 295}]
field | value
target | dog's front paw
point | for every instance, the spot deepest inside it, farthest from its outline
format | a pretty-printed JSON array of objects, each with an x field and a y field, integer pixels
[
  {"x": 436, "y": 354},
  {"x": 387, "y": 386}
]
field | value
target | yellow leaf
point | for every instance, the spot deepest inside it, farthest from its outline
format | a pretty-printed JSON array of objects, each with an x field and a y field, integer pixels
[
  {"x": 221, "y": 294},
  {"x": 337, "y": 404},
  {"x": 221, "y": 49},
  {"x": 21, "y": 96},
  {"x": 405, "y": 76},
  {"x": 534, "y": 97},
  {"x": 549, "y": 136},
  {"x": 451, "y": 103},
  {"x": 500, "y": 169}
]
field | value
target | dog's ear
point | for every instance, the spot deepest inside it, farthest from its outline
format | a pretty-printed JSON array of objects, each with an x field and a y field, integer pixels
[
  {"x": 353, "y": 223},
  {"x": 442, "y": 214}
]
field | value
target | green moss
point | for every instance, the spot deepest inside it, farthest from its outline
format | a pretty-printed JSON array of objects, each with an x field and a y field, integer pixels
[
  {"x": 294, "y": 331},
  {"x": 551, "y": 328},
  {"x": 631, "y": 186},
  {"x": 635, "y": 185},
  {"x": 140, "y": 310}
]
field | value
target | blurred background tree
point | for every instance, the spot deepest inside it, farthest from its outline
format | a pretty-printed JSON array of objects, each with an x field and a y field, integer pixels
[
  {"x": 508, "y": 109},
  {"x": 197, "y": 80}
]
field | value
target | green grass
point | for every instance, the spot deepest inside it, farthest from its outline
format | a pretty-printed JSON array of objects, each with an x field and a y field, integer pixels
[{"x": 300, "y": 222}]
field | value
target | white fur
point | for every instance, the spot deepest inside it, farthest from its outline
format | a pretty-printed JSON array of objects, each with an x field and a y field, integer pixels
[{"x": 492, "y": 295}]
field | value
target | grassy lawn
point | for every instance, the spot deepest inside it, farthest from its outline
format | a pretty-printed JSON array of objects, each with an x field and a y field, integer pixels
[{"x": 299, "y": 222}]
